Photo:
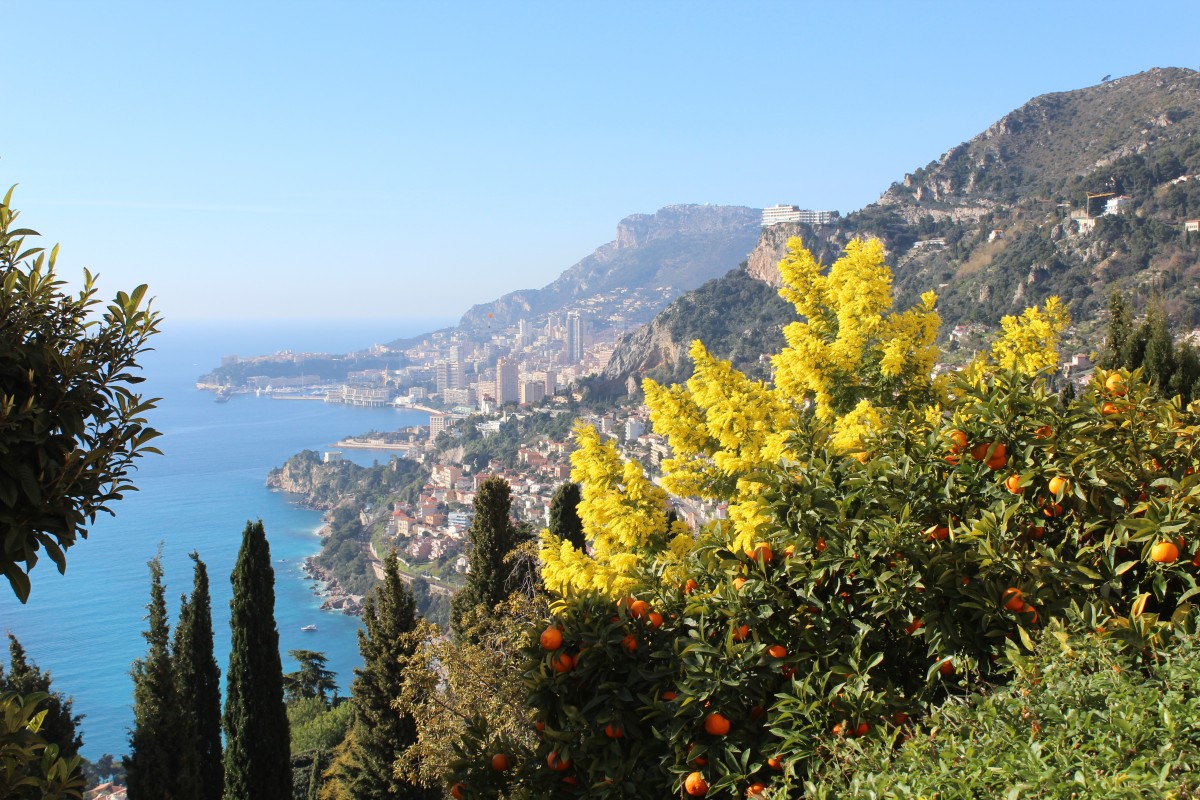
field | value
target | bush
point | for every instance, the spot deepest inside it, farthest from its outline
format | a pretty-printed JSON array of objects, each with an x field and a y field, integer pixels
[
  {"x": 1083, "y": 717},
  {"x": 71, "y": 428}
]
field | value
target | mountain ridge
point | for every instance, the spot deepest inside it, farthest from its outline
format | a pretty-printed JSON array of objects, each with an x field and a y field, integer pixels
[{"x": 992, "y": 217}]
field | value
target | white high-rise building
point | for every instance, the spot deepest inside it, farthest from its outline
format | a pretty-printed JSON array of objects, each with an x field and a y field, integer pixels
[
  {"x": 574, "y": 352},
  {"x": 450, "y": 375},
  {"x": 507, "y": 381}
]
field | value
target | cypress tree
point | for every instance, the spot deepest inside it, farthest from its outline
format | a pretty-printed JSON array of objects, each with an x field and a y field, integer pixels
[
  {"x": 379, "y": 733},
  {"x": 152, "y": 766},
  {"x": 491, "y": 537},
  {"x": 59, "y": 726},
  {"x": 257, "y": 755},
  {"x": 198, "y": 681},
  {"x": 1120, "y": 329},
  {"x": 564, "y": 515}
]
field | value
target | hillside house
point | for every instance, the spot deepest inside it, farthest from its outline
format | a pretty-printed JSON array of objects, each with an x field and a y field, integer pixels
[{"x": 1118, "y": 204}]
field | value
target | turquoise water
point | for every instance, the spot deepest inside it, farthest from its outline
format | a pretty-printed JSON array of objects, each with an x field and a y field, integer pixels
[{"x": 85, "y": 627}]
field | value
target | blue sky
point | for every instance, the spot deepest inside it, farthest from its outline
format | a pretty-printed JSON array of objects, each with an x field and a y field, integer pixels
[{"x": 405, "y": 160}]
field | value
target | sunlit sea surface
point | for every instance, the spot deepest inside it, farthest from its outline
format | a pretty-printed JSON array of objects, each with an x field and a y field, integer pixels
[{"x": 85, "y": 627}]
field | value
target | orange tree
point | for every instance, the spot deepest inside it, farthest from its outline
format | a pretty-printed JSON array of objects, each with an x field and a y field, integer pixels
[{"x": 865, "y": 585}]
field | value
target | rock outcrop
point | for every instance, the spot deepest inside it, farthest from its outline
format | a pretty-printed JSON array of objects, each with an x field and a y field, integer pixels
[{"x": 660, "y": 255}]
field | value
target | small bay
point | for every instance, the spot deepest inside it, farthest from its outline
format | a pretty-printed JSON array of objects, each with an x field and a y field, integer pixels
[{"x": 85, "y": 626}]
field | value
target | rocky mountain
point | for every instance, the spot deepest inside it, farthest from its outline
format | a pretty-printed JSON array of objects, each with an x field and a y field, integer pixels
[
  {"x": 1077, "y": 193},
  {"x": 674, "y": 249}
]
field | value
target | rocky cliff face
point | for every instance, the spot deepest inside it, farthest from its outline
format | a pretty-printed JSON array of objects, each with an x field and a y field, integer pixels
[
  {"x": 644, "y": 349},
  {"x": 679, "y": 247},
  {"x": 763, "y": 263},
  {"x": 306, "y": 475}
]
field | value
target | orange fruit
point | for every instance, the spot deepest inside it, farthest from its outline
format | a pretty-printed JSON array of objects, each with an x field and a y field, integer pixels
[
  {"x": 500, "y": 762},
  {"x": 991, "y": 452},
  {"x": 715, "y": 724},
  {"x": 562, "y": 662},
  {"x": 755, "y": 790},
  {"x": 1058, "y": 484},
  {"x": 738, "y": 583},
  {"x": 654, "y": 620},
  {"x": 1165, "y": 553},
  {"x": 556, "y": 762},
  {"x": 1052, "y": 510},
  {"x": 700, "y": 760},
  {"x": 456, "y": 791},
  {"x": 775, "y": 763},
  {"x": 614, "y": 730},
  {"x": 1013, "y": 483},
  {"x": 638, "y": 609},
  {"x": 862, "y": 730},
  {"x": 1115, "y": 384},
  {"x": 946, "y": 667},
  {"x": 1028, "y": 609},
  {"x": 839, "y": 729},
  {"x": 1013, "y": 598},
  {"x": 777, "y": 651},
  {"x": 741, "y": 633},
  {"x": 899, "y": 718},
  {"x": 960, "y": 441},
  {"x": 551, "y": 639},
  {"x": 789, "y": 551},
  {"x": 937, "y": 533},
  {"x": 913, "y": 627},
  {"x": 1108, "y": 408},
  {"x": 695, "y": 785},
  {"x": 669, "y": 695},
  {"x": 690, "y": 586},
  {"x": 763, "y": 551},
  {"x": 630, "y": 642},
  {"x": 1044, "y": 432},
  {"x": 952, "y": 460},
  {"x": 1196, "y": 558},
  {"x": 820, "y": 545}
]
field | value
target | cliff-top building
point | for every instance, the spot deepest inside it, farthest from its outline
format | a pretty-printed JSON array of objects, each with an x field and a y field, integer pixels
[{"x": 781, "y": 213}]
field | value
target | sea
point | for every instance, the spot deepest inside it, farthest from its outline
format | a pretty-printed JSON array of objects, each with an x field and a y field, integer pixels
[{"x": 85, "y": 627}]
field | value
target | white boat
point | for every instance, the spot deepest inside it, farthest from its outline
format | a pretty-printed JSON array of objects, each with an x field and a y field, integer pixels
[{"x": 309, "y": 628}]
